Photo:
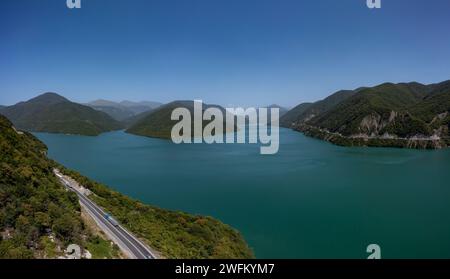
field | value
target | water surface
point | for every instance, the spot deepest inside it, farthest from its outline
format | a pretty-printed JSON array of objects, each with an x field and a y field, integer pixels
[{"x": 311, "y": 200}]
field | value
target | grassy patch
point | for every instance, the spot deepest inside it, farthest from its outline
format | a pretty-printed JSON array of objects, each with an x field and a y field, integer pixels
[{"x": 101, "y": 248}]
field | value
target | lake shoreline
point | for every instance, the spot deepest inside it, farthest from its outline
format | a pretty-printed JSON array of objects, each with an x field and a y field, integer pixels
[
  {"x": 310, "y": 200},
  {"x": 366, "y": 141}
]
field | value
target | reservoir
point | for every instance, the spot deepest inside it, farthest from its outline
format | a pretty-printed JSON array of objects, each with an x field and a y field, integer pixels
[{"x": 310, "y": 200}]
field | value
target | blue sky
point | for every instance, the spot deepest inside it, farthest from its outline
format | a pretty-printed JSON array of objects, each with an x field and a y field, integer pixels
[{"x": 230, "y": 52}]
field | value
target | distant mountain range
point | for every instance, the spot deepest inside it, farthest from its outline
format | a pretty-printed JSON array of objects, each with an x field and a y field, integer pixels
[
  {"x": 282, "y": 110},
  {"x": 294, "y": 114},
  {"x": 53, "y": 113},
  {"x": 401, "y": 115},
  {"x": 123, "y": 110},
  {"x": 130, "y": 121}
]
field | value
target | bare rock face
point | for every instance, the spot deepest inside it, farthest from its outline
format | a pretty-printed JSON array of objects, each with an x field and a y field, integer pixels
[
  {"x": 441, "y": 132},
  {"x": 425, "y": 143},
  {"x": 387, "y": 115},
  {"x": 372, "y": 124},
  {"x": 392, "y": 116},
  {"x": 439, "y": 117}
]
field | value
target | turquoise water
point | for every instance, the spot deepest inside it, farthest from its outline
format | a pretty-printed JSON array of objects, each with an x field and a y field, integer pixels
[{"x": 311, "y": 200}]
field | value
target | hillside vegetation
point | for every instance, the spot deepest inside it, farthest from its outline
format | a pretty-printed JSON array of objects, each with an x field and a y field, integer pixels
[
  {"x": 401, "y": 115},
  {"x": 306, "y": 111},
  {"x": 173, "y": 234},
  {"x": 34, "y": 207},
  {"x": 293, "y": 115},
  {"x": 39, "y": 218},
  {"x": 55, "y": 114},
  {"x": 123, "y": 110},
  {"x": 158, "y": 123}
]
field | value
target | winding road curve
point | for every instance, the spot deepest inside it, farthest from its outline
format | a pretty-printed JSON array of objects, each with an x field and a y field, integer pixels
[{"x": 128, "y": 243}]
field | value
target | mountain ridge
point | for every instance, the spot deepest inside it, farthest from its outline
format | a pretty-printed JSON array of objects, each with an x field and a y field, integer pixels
[
  {"x": 50, "y": 112},
  {"x": 121, "y": 111},
  {"x": 390, "y": 114},
  {"x": 158, "y": 123}
]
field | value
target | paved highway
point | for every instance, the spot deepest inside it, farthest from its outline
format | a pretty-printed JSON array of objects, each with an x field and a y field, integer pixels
[{"x": 125, "y": 240}]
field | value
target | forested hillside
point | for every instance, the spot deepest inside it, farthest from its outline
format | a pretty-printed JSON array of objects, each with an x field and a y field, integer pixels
[
  {"x": 402, "y": 115},
  {"x": 34, "y": 207},
  {"x": 39, "y": 218},
  {"x": 53, "y": 113}
]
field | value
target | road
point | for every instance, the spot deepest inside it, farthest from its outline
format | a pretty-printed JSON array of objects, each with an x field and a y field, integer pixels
[{"x": 124, "y": 239}]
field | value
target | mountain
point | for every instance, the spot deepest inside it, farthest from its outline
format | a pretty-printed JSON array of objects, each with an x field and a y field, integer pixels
[
  {"x": 113, "y": 109},
  {"x": 402, "y": 115},
  {"x": 123, "y": 110},
  {"x": 327, "y": 103},
  {"x": 34, "y": 207},
  {"x": 130, "y": 121},
  {"x": 306, "y": 111},
  {"x": 293, "y": 115},
  {"x": 118, "y": 114},
  {"x": 53, "y": 113},
  {"x": 103, "y": 103},
  {"x": 139, "y": 107},
  {"x": 282, "y": 110},
  {"x": 158, "y": 123},
  {"x": 435, "y": 103},
  {"x": 350, "y": 116},
  {"x": 39, "y": 218}
]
